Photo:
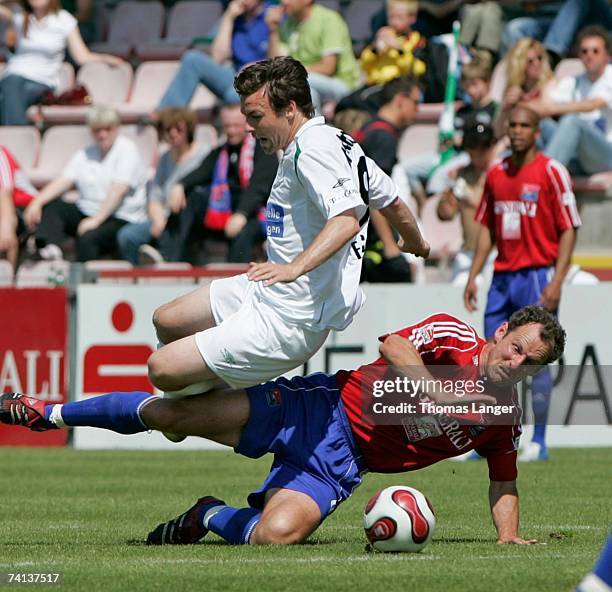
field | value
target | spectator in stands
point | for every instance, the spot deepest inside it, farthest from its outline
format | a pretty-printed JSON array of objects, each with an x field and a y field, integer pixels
[
  {"x": 242, "y": 38},
  {"x": 177, "y": 128},
  {"x": 222, "y": 198},
  {"x": 529, "y": 79},
  {"x": 557, "y": 32},
  {"x": 379, "y": 137},
  {"x": 44, "y": 31},
  {"x": 319, "y": 38},
  {"x": 16, "y": 192},
  {"x": 435, "y": 17},
  {"x": 464, "y": 195},
  {"x": 111, "y": 180},
  {"x": 582, "y": 138},
  {"x": 391, "y": 53},
  {"x": 479, "y": 107},
  {"x": 481, "y": 27}
]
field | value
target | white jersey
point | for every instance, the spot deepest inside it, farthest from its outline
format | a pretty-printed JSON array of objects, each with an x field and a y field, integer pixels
[{"x": 322, "y": 173}]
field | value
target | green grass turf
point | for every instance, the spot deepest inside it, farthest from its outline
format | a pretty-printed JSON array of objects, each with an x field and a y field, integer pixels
[{"x": 86, "y": 514}]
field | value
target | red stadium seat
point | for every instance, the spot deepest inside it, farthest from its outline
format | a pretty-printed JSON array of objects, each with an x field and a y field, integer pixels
[
  {"x": 107, "y": 85},
  {"x": 188, "y": 19},
  {"x": 132, "y": 22},
  {"x": 418, "y": 139},
  {"x": 150, "y": 82},
  {"x": 24, "y": 144}
]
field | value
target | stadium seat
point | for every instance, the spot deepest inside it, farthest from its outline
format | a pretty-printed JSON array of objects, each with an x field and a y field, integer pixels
[
  {"x": 6, "y": 273},
  {"x": 132, "y": 22},
  {"x": 445, "y": 238},
  {"x": 331, "y": 4},
  {"x": 358, "y": 15},
  {"x": 145, "y": 138},
  {"x": 569, "y": 67},
  {"x": 206, "y": 135},
  {"x": 23, "y": 142},
  {"x": 168, "y": 266},
  {"x": 107, "y": 85},
  {"x": 187, "y": 20},
  {"x": 66, "y": 77},
  {"x": 57, "y": 147},
  {"x": 109, "y": 265},
  {"x": 498, "y": 81},
  {"x": 418, "y": 139},
  {"x": 150, "y": 82},
  {"x": 430, "y": 112},
  {"x": 43, "y": 273}
]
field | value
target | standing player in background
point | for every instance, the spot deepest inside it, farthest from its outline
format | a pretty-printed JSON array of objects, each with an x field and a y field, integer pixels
[
  {"x": 325, "y": 432},
  {"x": 257, "y": 326},
  {"x": 528, "y": 211}
]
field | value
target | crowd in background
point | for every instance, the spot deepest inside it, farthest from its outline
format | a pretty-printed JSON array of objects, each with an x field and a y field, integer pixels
[{"x": 372, "y": 90}]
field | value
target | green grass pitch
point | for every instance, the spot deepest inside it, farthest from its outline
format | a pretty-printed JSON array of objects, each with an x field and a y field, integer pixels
[{"x": 87, "y": 513}]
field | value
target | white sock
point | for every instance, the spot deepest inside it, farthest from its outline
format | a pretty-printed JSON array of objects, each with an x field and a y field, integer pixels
[{"x": 55, "y": 417}]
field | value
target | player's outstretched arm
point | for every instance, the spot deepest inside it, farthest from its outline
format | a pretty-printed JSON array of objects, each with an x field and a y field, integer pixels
[
  {"x": 338, "y": 231},
  {"x": 401, "y": 218},
  {"x": 504, "y": 502}
]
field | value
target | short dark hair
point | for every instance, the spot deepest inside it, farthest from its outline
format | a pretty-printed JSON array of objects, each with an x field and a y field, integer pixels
[
  {"x": 477, "y": 135},
  {"x": 286, "y": 80},
  {"x": 552, "y": 333},
  {"x": 534, "y": 116},
  {"x": 594, "y": 31},
  {"x": 404, "y": 85}
]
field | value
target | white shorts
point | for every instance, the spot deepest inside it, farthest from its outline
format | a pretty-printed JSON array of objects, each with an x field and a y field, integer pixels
[{"x": 251, "y": 343}]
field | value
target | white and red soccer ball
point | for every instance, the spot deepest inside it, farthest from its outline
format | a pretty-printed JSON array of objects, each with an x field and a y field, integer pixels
[{"x": 399, "y": 518}]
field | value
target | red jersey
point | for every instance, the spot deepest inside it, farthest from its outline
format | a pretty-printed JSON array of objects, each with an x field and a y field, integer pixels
[
  {"x": 526, "y": 209},
  {"x": 418, "y": 441},
  {"x": 14, "y": 179}
]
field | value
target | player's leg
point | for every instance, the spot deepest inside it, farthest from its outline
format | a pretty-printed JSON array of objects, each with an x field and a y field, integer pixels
[
  {"x": 184, "y": 315},
  {"x": 217, "y": 415},
  {"x": 288, "y": 517},
  {"x": 527, "y": 289}
]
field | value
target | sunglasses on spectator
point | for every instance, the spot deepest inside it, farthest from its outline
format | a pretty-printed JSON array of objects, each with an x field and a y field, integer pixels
[{"x": 534, "y": 59}]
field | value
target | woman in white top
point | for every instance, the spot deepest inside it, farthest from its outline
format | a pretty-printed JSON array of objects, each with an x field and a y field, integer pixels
[{"x": 43, "y": 30}]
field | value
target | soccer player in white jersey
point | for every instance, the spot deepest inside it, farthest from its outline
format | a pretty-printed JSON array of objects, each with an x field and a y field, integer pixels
[{"x": 250, "y": 328}]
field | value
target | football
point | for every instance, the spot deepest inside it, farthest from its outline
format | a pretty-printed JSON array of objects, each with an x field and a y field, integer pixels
[{"x": 399, "y": 519}]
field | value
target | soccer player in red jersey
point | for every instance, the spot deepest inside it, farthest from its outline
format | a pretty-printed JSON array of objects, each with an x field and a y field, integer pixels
[
  {"x": 528, "y": 211},
  {"x": 326, "y": 431}
]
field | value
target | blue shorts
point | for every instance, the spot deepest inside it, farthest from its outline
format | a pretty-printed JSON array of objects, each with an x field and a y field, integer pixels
[
  {"x": 302, "y": 422},
  {"x": 511, "y": 291}
]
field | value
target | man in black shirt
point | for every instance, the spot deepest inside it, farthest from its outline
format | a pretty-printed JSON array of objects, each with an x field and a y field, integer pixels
[{"x": 223, "y": 197}]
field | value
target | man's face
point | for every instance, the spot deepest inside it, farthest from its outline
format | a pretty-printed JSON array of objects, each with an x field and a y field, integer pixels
[
  {"x": 480, "y": 158},
  {"x": 476, "y": 88},
  {"x": 515, "y": 354},
  {"x": 408, "y": 106},
  {"x": 104, "y": 136},
  {"x": 271, "y": 129},
  {"x": 234, "y": 125},
  {"x": 593, "y": 55},
  {"x": 294, "y": 8},
  {"x": 521, "y": 131}
]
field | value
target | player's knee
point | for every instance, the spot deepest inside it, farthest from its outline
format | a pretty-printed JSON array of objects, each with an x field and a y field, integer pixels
[
  {"x": 163, "y": 322},
  {"x": 279, "y": 530},
  {"x": 160, "y": 372}
]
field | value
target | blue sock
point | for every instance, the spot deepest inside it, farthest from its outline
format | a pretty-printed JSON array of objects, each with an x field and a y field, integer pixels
[
  {"x": 119, "y": 412},
  {"x": 603, "y": 569},
  {"x": 541, "y": 388},
  {"x": 235, "y": 525}
]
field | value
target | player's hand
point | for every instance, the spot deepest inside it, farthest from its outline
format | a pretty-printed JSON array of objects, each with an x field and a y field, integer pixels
[
  {"x": 518, "y": 541},
  {"x": 177, "y": 200},
  {"x": 420, "y": 250},
  {"x": 272, "y": 273},
  {"x": 87, "y": 225},
  {"x": 550, "y": 297},
  {"x": 513, "y": 95},
  {"x": 32, "y": 215},
  {"x": 235, "y": 8},
  {"x": 235, "y": 224},
  {"x": 274, "y": 16},
  {"x": 470, "y": 296}
]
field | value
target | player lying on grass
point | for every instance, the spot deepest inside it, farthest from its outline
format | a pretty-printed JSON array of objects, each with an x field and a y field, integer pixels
[{"x": 323, "y": 432}]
